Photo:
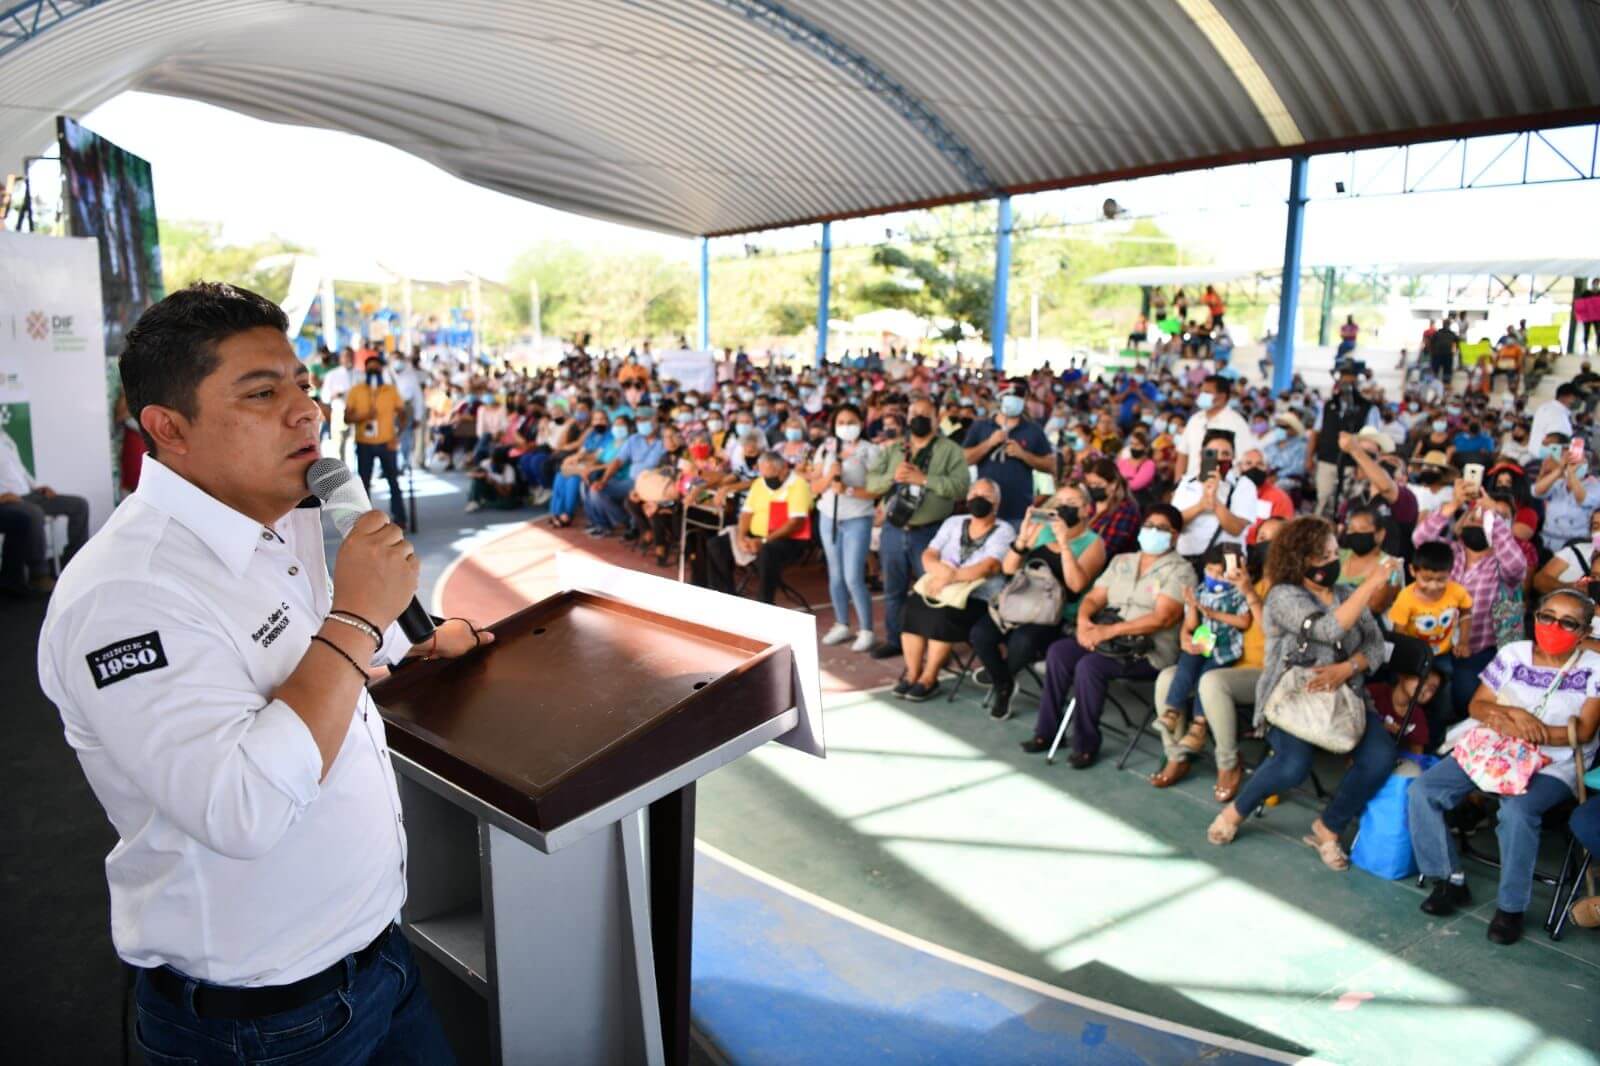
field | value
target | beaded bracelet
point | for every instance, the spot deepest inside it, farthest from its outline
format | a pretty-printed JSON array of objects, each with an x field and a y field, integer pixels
[
  {"x": 355, "y": 621},
  {"x": 320, "y": 639}
]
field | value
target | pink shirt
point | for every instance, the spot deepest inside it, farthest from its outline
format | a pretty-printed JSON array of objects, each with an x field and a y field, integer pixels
[
  {"x": 1506, "y": 564},
  {"x": 1137, "y": 472}
]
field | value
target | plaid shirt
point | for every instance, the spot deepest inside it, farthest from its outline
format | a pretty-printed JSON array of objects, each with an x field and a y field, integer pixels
[
  {"x": 1504, "y": 565},
  {"x": 1118, "y": 527}
]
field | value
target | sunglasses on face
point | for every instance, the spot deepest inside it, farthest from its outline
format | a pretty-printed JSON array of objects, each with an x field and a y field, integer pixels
[{"x": 1550, "y": 618}]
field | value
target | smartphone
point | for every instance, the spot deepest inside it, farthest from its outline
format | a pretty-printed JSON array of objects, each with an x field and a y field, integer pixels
[
  {"x": 1230, "y": 564},
  {"x": 1472, "y": 473},
  {"x": 1208, "y": 464},
  {"x": 1575, "y": 450},
  {"x": 1042, "y": 515}
]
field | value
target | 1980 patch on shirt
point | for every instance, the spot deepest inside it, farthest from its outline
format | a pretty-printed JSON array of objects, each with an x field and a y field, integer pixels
[{"x": 126, "y": 658}]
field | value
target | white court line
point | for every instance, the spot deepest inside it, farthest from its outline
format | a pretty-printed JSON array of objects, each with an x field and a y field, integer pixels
[
  {"x": 437, "y": 599},
  {"x": 998, "y": 972}
]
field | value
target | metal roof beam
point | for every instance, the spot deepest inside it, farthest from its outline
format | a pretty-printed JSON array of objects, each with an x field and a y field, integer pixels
[
  {"x": 22, "y": 22},
  {"x": 780, "y": 20}
]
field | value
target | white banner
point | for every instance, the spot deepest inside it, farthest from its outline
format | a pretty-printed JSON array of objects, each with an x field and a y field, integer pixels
[
  {"x": 52, "y": 356},
  {"x": 693, "y": 371},
  {"x": 304, "y": 279}
]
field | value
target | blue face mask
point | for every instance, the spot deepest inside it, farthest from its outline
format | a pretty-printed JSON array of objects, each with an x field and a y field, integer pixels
[
  {"x": 646, "y": 427},
  {"x": 793, "y": 435},
  {"x": 1054, "y": 426},
  {"x": 1553, "y": 452},
  {"x": 1204, "y": 401},
  {"x": 1215, "y": 584},
  {"x": 1155, "y": 541},
  {"x": 619, "y": 432},
  {"x": 1148, "y": 419},
  {"x": 1011, "y": 406},
  {"x": 1277, "y": 435},
  {"x": 1440, "y": 425}
]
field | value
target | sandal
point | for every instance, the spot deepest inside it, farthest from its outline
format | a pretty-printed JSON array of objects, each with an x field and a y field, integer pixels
[
  {"x": 1586, "y": 912},
  {"x": 1221, "y": 831},
  {"x": 1171, "y": 721},
  {"x": 1171, "y": 773},
  {"x": 1227, "y": 786},
  {"x": 1194, "y": 741},
  {"x": 1332, "y": 855}
]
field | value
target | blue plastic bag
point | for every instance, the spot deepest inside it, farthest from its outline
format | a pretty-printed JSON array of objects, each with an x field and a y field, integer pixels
[{"x": 1383, "y": 841}]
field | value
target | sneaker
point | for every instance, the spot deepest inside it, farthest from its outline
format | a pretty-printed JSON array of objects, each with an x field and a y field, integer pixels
[
  {"x": 836, "y": 635},
  {"x": 1446, "y": 898},
  {"x": 981, "y": 677},
  {"x": 1000, "y": 702},
  {"x": 1505, "y": 927},
  {"x": 901, "y": 687},
  {"x": 597, "y": 531},
  {"x": 920, "y": 693},
  {"x": 886, "y": 651},
  {"x": 540, "y": 496},
  {"x": 1034, "y": 745},
  {"x": 472, "y": 505},
  {"x": 864, "y": 641}
]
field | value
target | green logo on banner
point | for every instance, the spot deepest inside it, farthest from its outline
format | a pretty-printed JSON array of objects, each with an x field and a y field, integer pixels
[{"x": 18, "y": 425}]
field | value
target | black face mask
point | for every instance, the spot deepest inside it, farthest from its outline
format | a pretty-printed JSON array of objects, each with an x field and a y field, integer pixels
[
  {"x": 1255, "y": 557},
  {"x": 980, "y": 507},
  {"x": 1259, "y": 477},
  {"x": 1324, "y": 575},
  {"x": 1098, "y": 495},
  {"x": 891, "y": 432},
  {"x": 921, "y": 426},
  {"x": 1360, "y": 543},
  {"x": 1069, "y": 514},
  {"x": 1475, "y": 539},
  {"x": 773, "y": 483}
]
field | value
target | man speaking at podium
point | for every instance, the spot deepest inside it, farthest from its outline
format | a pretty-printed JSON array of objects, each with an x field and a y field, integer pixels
[{"x": 212, "y": 682}]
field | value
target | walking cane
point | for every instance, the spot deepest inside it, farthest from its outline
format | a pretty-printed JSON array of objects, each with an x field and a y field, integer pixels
[
  {"x": 1583, "y": 790},
  {"x": 1066, "y": 720}
]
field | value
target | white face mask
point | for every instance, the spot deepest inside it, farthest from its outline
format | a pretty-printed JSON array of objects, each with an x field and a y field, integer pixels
[{"x": 849, "y": 432}]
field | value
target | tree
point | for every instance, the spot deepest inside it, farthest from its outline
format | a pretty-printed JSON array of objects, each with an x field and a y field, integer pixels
[{"x": 193, "y": 251}]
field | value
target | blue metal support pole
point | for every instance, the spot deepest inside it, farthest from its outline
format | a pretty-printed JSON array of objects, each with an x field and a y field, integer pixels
[
  {"x": 1002, "y": 284},
  {"x": 824, "y": 286},
  {"x": 705, "y": 294},
  {"x": 1289, "y": 300}
]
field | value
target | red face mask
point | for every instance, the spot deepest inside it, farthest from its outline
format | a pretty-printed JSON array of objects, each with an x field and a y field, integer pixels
[
  {"x": 1553, "y": 640},
  {"x": 700, "y": 450}
]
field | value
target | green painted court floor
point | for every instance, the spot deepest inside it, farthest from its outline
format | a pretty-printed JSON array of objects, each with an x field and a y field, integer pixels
[{"x": 929, "y": 818}]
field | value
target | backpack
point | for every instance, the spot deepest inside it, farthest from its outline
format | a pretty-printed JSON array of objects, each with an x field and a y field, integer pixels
[{"x": 1033, "y": 597}]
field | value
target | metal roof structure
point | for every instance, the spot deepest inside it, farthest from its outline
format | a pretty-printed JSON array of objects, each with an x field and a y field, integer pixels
[
  {"x": 1167, "y": 276},
  {"x": 721, "y": 116}
]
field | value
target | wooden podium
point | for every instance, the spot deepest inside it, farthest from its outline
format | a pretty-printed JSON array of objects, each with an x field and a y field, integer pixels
[{"x": 548, "y": 794}]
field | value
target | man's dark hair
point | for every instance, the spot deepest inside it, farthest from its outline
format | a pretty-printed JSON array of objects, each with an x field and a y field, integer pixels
[
  {"x": 1567, "y": 391},
  {"x": 1173, "y": 516},
  {"x": 1224, "y": 435},
  {"x": 173, "y": 346},
  {"x": 1220, "y": 383},
  {"x": 1435, "y": 557}
]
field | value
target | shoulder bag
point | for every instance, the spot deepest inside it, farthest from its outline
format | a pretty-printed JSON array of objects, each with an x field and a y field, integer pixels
[
  {"x": 1033, "y": 597},
  {"x": 1333, "y": 721},
  {"x": 1504, "y": 765}
]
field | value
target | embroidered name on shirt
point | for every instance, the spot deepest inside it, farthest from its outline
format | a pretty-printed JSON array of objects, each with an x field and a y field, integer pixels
[
  {"x": 125, "y": 659},
  {"x": 273, "y": 627}
]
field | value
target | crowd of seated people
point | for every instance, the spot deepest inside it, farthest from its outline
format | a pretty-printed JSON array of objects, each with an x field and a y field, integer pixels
[{"x": 1176, "y": 527}]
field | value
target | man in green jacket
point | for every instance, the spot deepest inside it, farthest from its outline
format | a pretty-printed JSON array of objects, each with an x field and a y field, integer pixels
[{"x": 935, "y": 468}]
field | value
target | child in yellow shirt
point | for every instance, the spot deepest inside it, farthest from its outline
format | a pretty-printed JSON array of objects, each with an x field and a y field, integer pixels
[{"x": 1438, "y": 611}]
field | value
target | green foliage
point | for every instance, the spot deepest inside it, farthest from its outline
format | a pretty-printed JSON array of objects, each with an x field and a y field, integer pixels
[
  {"x": 192, "y": 251},
  {"x": 617, "y": 297}
]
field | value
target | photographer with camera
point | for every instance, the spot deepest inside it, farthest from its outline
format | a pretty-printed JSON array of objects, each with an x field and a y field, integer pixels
[
  {"x": 919, "y": 478},
  {"x": 1348, "y": 412}
]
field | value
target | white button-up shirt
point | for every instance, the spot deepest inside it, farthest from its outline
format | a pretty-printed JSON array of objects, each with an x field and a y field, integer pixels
[
  {"x": 14, "y": 477},
  {"x": 1240, "y": 494},
  {"x": 162, "y": 647}
]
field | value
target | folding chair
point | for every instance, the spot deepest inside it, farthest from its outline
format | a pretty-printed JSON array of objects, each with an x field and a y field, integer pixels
[
  {"x": 1133, "y": 690},
  {"x": 1574, "y": 871}
]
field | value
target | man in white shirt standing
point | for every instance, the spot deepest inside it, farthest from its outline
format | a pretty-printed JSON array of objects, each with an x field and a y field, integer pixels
[
  {"x": 1555, "y": 416},
  {"x": 408, "y": 379},
  {"x": 25, "y": 506},
  {"x": 212, "y": 681},
  {"x": 335, "y": 386},
  {"x": 1213, "y": 413}
]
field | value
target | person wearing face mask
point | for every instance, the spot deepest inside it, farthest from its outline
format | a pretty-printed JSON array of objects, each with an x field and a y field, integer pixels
[
  {"x": 1146, "y": 590},
  {"x": 774, "y": 527},
  {"x": 1346, "y": 645},
  {"x": 1571, "y": 566},
  {"x": 640, "y": 450},
  {"x": 1361, "y": 552},
  {"x": 1348, "y": 412},
  {"x": 1218, "y": 509},
  {"x": 1555, "y": 416},
  {"x": 845, "y": 507},
  {"x": 1529, "y": 690},
  {"x": 1211, "y": 415},
  {"x": 1135, "y": 465},
  {"x": 934, "y": 471},
  {"x": 597, "y": 446},
  {"x": 1488, "y": 562},
  {"x": 1375, "y": 480},
  {"x": 960, "y": 568},
  {"x": 375, "y": 407},
  {"x": 1059, "y": 536},
  {"x": 1570, "y": 493},
  {"x": 1008, "y": 450},
  {"x": 794, "y": 448},
  {"x": 1271, "y": 501},
  {"x": 1516, "y": 446},
  {"x": 1116, "y": 514},
  {"x": 741, "y": 425}
]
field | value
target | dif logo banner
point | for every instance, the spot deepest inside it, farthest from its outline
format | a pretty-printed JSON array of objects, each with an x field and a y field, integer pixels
[{"x": 56, "y": 329}]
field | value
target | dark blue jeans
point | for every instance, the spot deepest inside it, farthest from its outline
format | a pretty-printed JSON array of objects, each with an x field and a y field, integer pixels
[
  {"x": 1290, "y": 763},
  {"x": 900, "y": 557},
  {"x": 1586, "y": 825},
  {"x": 1191, "y": 668},
  {"x": 380, "y": 1015}
]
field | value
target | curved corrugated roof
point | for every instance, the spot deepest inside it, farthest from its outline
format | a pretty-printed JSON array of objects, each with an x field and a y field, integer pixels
[{"x": 714, "y": 116}]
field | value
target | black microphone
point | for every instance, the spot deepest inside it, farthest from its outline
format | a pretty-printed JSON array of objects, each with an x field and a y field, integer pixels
[{"x": 345, "y": 500}]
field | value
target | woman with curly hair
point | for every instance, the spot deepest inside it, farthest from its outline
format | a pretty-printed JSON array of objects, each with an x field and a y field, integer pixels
[{"x": 1346, "y": 645}]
